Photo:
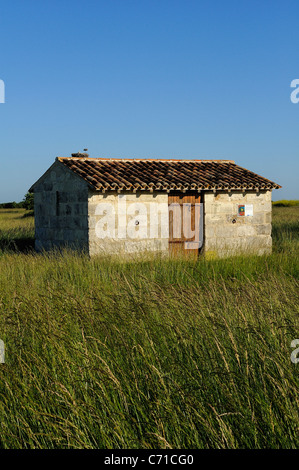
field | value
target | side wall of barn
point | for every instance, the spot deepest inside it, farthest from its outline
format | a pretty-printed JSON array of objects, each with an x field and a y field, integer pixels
[
  {"x": 227, "y": 233},
  {"x": 128, "y": 223},
  {"x": 61, "y": 210}
]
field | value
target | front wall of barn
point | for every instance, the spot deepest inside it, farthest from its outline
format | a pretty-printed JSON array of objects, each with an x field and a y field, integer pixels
[
  {"x": 229, "y": 233},
  {"x": 226, "y": 232}
]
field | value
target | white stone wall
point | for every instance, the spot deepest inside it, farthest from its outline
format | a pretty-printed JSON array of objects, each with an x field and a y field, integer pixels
[
  {"x": 148, "y": 236},
  {"x": 62, "y": 222},
  {"x": 227, "y": 234}
]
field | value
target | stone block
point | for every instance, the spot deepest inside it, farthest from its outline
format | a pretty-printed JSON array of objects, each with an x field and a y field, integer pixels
[
  {"x": 80, "y": 208},
  {"x": 263, "y": 207},
  {"x": 258, "y": 218},
  {"x": 263, "y": 229},
  {"x": 245, "y": 230},
  {"x": 268, "y": 217},
  {"x": 37, "y": 198},
  {"x": 209, "y": 231},
  {"x": 225, "y": 231}
]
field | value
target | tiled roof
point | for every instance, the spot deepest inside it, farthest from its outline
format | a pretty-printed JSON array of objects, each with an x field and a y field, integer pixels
[{"x": 165, "y": 175}]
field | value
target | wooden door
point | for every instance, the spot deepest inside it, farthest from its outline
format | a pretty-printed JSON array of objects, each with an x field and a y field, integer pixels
[{"x": 185, "y": 224}]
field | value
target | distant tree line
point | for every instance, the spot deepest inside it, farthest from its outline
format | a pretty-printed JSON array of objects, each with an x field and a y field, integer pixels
[
  {"x": 286, "y": 203},
  {"x": 27, "y": 203}
]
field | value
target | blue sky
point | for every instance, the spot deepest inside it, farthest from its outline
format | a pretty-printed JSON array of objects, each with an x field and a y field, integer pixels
[{"x": 149, "y": 78}]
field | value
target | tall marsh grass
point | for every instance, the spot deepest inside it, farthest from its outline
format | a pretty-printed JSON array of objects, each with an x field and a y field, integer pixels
[
  {"x": 150, "y": 354},
  {"x": 16, "y": 230}
]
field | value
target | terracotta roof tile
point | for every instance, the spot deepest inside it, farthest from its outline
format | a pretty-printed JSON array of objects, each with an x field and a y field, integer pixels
[{"x": 144, "y": 174}]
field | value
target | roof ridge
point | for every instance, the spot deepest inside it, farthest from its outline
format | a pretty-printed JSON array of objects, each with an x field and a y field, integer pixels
[{"x": 109, "y": 159}]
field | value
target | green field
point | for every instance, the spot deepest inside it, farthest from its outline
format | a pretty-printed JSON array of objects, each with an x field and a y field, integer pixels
[{"x": 148, "y": 354}]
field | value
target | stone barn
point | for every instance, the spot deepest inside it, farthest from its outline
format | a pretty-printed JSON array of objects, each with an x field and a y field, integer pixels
[{"x": 126, "y": 206}]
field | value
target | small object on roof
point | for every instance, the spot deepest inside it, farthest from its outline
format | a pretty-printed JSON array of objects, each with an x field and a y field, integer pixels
[{"x": 80, "y": 155}]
